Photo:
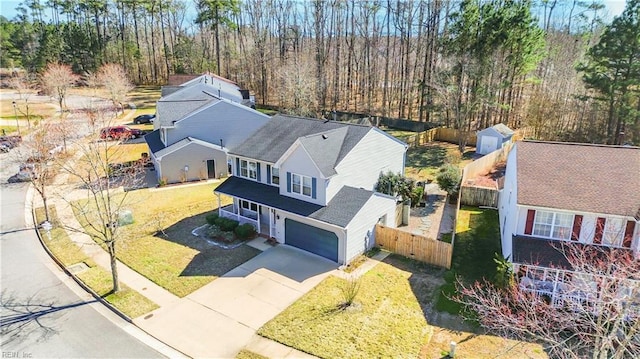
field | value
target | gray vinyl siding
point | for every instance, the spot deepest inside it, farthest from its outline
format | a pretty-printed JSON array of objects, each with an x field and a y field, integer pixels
[
  {"x": 195, "y": 156},
  {"x": 361, "y": 230},
  {"x": 376, "y": 153},
  {"x": 300, "y": 163},
  {"x": 233, "y": 123}
]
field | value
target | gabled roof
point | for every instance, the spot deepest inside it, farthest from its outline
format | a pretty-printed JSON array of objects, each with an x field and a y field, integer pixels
[
  {"x": 579, "y": 177},
  {"x": 273, "y": 139},
  {"x": 169, "y": 112},
  {"x": 319, "y": 147},
  {"x": 183, "y": 143},
  {"x": 217, "y": 85},
  {"x": 500, "y": 129},
  {"x": 344, "y": 206}
]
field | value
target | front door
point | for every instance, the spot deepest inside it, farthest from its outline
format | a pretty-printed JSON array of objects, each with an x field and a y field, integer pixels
[
  {"x": 211, "y": 169},
  {"x": 264, "y": 220}
]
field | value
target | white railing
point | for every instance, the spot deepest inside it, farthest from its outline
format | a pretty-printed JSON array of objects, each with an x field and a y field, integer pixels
[{"x": 224, "y": 212}]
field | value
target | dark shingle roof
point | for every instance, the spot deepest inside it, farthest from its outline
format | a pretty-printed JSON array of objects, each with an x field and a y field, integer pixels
[
  {"x": 169, "y": 112},
  {"x": 272, "y": 140},
  {"x": 551, "y": 253},
  {"x": 579, "y": 177},
  {"x": 153, "y": 141},
  {"x": 538, "y": 251},
  {"x": 340, "y": 211}
]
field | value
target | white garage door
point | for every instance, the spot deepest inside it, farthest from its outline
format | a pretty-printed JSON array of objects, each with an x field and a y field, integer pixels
[{"x": 489, "y": 144}]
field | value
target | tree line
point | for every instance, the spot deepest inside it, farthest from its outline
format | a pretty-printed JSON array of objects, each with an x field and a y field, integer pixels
[{"x": 551, "y": 65}]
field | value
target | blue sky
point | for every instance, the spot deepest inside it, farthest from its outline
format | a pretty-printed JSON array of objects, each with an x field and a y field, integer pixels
[{"x": 7, "y": 7}]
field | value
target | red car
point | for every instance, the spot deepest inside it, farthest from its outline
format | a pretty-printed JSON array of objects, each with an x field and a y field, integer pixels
[{"x": 120, "y": 133}]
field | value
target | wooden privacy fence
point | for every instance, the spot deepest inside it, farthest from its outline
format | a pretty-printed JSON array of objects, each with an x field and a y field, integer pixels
[
  {"x": 414, "y": 246},
  {"x": 479, "y": 196}
]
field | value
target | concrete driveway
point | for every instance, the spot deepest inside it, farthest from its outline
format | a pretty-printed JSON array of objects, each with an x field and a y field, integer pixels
[{"x": 220, "y": 318}]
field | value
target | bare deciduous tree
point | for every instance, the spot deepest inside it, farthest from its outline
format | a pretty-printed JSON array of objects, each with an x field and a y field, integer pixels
[
  {"x": 593, "y": 310},
  {"x": 106, "y": 181},
  {"x": 40, "y": 152},
  {"x": 115, "y": 80},
  {"x": 56, "y": 81},
  {"x": 23, "y": 85}
]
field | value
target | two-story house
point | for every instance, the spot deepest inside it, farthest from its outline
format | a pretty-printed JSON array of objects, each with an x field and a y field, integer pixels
[
  {"x": 556, "y": 193},
  {"x": 193, "y": 129},
  {"x": 309, "y": 183}
]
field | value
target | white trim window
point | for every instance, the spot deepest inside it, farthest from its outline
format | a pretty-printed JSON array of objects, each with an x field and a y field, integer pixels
[
  {"x": 553, "y": 225},
  {"x": 253, "y": 170},
  {"x": 250, "y": 206},
  {"x": 248, "y": 169},
  {"x": 301, "y": 184},
  {"x": 275, "y": 175},
  {"x": 613, "y": 232}
]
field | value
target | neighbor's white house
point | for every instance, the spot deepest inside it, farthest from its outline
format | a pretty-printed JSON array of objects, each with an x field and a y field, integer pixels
[
  {"x": 567, "y": 192},
  {"x": 310, "y": 184},
  {"x": 194, "y": 128}
]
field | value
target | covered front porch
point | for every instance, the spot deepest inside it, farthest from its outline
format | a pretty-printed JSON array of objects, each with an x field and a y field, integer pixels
[{"x": 261, "y": 217}]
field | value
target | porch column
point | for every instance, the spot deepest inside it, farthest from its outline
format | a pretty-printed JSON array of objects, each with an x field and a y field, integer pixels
[
  {"x": 219, "y": 203},
  {"x": 258, "y": 229}
]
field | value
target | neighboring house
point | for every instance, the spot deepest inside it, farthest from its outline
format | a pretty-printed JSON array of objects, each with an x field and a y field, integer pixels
[
  {"x": 493, "y": 138},
  {"x": 558, "y": 193},
  {"x": 309, "y": 183},
  {"x": 219, "y": 86},
  {"x": 194, "y": 129}
]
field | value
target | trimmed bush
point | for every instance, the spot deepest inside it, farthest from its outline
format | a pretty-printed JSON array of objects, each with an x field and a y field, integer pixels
[
  {"x": 226, "y": 224},
  {"x": 211, "y": 218},
  {"x": 245, "y": 231}
]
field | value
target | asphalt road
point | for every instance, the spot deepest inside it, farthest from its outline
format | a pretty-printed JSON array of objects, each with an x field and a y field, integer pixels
[{"x": 40, "y": 316}]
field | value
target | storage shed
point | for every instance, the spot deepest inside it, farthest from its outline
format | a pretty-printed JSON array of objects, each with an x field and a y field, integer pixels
[{"x": 493, "y": 138}]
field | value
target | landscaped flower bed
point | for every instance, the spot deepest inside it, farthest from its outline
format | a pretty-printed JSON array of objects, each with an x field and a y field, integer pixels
[{"x": 224, "y": 232}]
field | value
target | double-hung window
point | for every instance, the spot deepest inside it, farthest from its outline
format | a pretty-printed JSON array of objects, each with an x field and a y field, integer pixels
[
  {"x": 248, "y": 169},
  {"x": 301, "y": 184},
  {"x": 253, "y": 170},
  {"x": 275, "y": 175},
  {"x": 553, "y": 225},
  {"x": 613, "y": 232}
]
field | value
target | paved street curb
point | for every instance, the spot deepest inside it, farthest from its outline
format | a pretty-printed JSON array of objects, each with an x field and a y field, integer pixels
[{"x": 29, "y": 208}]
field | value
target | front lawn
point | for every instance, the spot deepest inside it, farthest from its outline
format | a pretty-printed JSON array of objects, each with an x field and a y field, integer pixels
[
  {"x": 386, "y": 321},
  {"x": 175, "y": 259},
  {"x": 127, "y": 300}
]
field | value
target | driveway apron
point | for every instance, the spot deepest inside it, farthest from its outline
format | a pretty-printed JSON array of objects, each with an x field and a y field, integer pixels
[{"x": 219, "y": 319}]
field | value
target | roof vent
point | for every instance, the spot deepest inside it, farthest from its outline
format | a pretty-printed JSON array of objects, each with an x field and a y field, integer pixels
[{"x": 324, "y": 136}]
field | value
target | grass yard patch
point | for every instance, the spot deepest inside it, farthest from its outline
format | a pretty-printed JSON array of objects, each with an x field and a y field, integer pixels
[
  {"x": 386, "y": 321},
  {"x": 246, "y": 354},
  {"x": 125, "y": 152},
  {"x": 160, "y": 246},
  {"x": 479, "y": 346},
  {"x": 424, "y": 162},
  {"x": 37, "y": 110},
  {"x": 402, "y": 135},
  {"x": 477, "y": 240},
  {"x": 99, "y": 279},
  {"x": 424, "y": 282},
  {"x": 130, "y": 302},
  {"x": 9, "y": 129},
  {"x": 145, "y": 96}
]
